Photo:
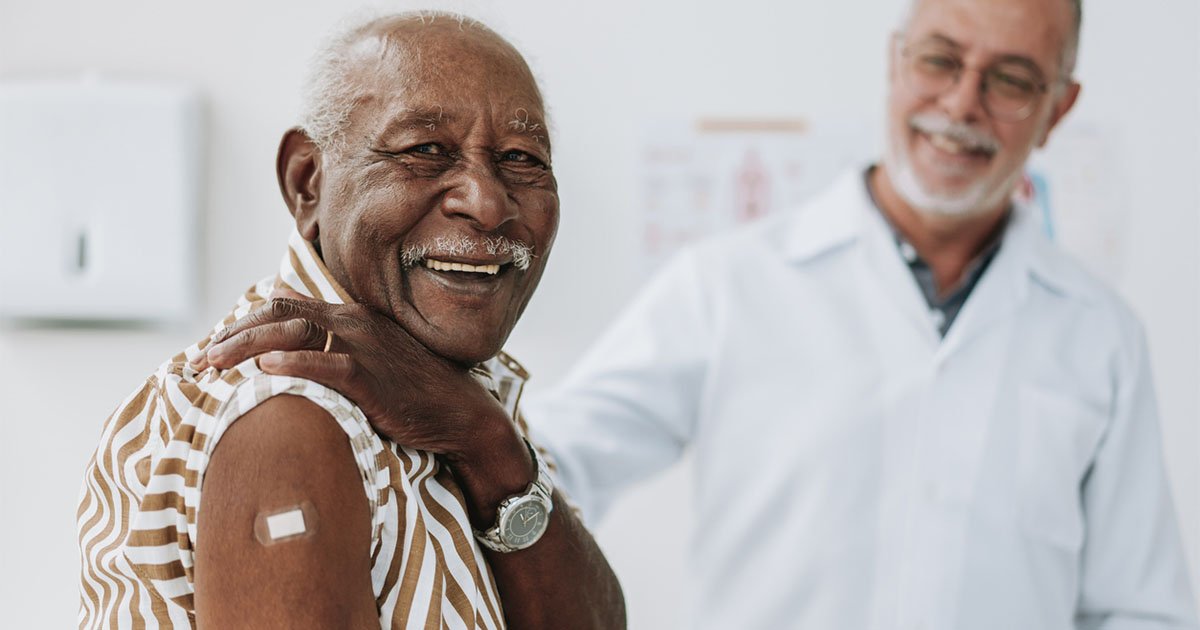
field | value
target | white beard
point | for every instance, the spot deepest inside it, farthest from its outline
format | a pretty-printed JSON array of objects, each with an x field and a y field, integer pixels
[{"x": 977, "y": 199}]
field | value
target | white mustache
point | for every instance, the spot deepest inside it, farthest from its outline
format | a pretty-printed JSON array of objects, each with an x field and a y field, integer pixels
[
  {"x": 964, "y": 134},
  {"x": 521, "y": 253}
]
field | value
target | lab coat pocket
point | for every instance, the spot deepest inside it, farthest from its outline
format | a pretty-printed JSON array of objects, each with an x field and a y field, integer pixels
[{"x": 1058, "y": 438}]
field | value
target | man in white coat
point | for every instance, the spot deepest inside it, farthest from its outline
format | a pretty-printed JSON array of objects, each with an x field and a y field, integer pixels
[{"x": 908, "y": 409}]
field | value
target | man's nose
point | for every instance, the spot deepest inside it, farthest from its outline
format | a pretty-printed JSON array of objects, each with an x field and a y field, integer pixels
[
  {"x": 480, "y": 196},
  {"x": 964, "y": 100}
]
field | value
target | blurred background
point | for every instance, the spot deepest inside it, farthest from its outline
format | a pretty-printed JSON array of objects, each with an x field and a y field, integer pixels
[{"x": 621, "y": 78}]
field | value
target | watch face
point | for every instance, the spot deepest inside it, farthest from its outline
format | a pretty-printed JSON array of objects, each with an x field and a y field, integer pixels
[{"x": 524, "y": 523}]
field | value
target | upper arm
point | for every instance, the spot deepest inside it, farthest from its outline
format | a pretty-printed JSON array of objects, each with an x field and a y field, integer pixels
[{"x": 282, "y": 453}]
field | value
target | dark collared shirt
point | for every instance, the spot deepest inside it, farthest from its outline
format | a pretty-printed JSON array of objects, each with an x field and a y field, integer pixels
[{"x": 943, "y": 309}]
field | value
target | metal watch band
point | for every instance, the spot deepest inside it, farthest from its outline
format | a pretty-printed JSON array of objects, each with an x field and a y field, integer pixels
[{"x": 542, "y": 488}]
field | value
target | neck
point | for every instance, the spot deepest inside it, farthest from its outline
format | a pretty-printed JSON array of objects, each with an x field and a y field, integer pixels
[{"x": 947, "y": 244}]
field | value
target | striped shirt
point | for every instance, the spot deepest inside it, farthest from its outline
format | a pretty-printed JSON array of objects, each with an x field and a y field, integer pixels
[{"x": 142, "y": 490}]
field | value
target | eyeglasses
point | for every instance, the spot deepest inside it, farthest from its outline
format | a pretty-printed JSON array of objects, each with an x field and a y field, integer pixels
[{"x": 1009, "y": 90}]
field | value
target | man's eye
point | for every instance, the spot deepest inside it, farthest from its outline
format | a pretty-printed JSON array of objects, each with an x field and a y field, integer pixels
[
  {"x": 519, "y": 157},
  {"x": 429, "y": 148},
  {"x": 1011, "y": 84},
  {"x": 938, "y": 63}
]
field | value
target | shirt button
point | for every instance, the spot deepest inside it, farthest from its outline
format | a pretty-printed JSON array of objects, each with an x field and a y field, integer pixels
[
  {"x": 938, "y": 318},
  {"x": 908, "y": 252}
]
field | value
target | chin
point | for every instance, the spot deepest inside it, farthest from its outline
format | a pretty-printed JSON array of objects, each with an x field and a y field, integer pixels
[
  {"x": 465, "y": 348},
  {"x": 970, "y": 200}
]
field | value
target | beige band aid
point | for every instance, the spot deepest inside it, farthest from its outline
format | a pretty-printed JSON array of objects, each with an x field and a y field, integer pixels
[{"x": 282, "y": 525}]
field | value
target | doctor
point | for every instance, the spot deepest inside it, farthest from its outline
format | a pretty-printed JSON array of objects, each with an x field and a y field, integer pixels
[{"x": 908, "y": 409}]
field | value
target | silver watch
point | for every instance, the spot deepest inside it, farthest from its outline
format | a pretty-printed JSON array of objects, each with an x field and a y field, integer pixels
[{"x": 522, "y": 518}]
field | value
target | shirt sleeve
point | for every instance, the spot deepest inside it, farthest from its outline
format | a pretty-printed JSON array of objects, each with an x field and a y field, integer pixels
[
  {"x": 1134, "y": 573},
  {"x": 628, "y": 408},
  {"x": 196, "y": 414}
]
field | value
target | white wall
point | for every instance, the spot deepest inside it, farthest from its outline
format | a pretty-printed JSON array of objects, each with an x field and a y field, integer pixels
[{"x": 606, "y": 68}]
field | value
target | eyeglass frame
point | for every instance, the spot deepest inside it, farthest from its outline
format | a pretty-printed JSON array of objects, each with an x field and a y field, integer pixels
[{"x": 1043, "y": 85}]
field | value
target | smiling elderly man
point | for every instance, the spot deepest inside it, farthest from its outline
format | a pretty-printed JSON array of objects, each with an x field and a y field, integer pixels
[
  {"x": 422, "y": 193},
  {"x": 907, "y": 409}
]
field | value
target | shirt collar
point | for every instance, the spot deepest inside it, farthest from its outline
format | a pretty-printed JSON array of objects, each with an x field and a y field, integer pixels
[
  {"x": 303, "y": 271},
  {"x": 833, "y": 219},
  {"x": 844, "y": 214}
]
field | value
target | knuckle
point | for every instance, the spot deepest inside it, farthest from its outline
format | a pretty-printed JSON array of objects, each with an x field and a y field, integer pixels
[
  {"x": 280, "y": 307},
  {"x": 311, "y": 332}
]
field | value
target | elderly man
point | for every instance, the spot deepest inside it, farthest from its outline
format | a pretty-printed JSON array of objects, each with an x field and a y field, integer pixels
[
  {"x": 907, "y": 409},
  {"x": 223, "y": 497}
]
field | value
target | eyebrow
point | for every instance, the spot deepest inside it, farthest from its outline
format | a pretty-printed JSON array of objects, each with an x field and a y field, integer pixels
[
  {"x": 415, "y": 117},
  {"x": 521, "y": 122},
  {"x": 1022, "y": 60}
]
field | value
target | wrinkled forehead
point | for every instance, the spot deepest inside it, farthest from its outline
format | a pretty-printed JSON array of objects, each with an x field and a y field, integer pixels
[{"x": 440, "y": 72}]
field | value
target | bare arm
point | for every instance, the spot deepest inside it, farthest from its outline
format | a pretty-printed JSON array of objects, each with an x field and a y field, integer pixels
[
  {"x": 279, "y": 455},
  {"x": 424, "y": 402}
]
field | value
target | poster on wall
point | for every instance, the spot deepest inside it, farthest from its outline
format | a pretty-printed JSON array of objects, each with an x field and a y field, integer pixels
[
  {"x": 711, "y": 175},
  {"x": 714, "y": 174}
]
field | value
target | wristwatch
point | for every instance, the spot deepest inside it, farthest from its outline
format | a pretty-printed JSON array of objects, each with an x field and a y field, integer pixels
[{"x": 522, "y": 518}]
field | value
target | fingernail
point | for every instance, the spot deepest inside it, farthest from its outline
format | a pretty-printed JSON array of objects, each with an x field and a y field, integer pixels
[{"x": 271, "y": 360}]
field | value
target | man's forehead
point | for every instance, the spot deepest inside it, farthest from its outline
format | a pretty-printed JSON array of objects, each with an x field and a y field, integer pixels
[
  {"x": 1024, "y": 28},
  {"x": 415, "y": 113},
  {"x": 441, "y": 75}
]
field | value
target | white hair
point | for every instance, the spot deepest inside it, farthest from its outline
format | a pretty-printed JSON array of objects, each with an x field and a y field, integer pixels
[
  {"x": 329, "y": 92},
  {"x": 1070, "y": 51}
]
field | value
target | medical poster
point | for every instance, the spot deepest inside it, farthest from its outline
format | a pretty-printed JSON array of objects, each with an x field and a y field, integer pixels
[{"x": 711, "y": 175}]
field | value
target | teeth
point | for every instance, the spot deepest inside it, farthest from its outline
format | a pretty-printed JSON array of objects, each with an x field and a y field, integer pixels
[
  {"x": 438, "y": 265},
  {"x": 946, "y": 144}
]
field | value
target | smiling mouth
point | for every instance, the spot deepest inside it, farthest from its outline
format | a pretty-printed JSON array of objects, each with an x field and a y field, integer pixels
[{"x": 955, "y": 146}]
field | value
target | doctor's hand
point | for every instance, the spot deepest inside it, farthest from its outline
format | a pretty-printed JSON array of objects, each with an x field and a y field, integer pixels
[{"x": 410, "y": 395}]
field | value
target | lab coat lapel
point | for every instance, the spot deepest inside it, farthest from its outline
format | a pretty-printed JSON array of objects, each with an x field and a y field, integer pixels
[
  {"x": 845, "y": 214},
  {"x": 1003, "y": 287},
  {"x": 892, "y": 276}
]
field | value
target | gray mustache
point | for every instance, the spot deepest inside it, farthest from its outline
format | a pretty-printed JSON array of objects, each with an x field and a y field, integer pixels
[
  {"x": 521, "y": 253},
  {"x": 966, "y": 134}
]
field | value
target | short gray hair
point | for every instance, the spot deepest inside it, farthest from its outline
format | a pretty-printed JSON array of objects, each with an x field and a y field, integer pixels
[
  {"x": 330, "y": 93},
  {"x": 1070, "y": 51}
]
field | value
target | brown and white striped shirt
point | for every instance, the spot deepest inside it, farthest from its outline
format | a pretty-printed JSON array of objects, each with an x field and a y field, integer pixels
[{"x": 141, "y": 494}]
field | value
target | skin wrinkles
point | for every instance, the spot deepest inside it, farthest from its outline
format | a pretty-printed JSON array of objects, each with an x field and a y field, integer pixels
[
  {"x": 395, "y": 180},
  {"x": 421, "y": 163},
  {"x": 972, "y": 190},
  {"x": 984, "y": 33}
]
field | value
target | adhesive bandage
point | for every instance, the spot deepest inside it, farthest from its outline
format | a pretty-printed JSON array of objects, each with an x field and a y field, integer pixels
[{"x": 290, "y": 523}]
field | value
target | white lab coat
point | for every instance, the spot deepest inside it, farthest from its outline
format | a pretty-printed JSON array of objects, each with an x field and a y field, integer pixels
[{"x": 853, "y": 470}]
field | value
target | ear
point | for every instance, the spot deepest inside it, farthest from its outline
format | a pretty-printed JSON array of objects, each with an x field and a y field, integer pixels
[
  {"x": 298, "y": 168},
  {"x": 1061, "y": 107}
]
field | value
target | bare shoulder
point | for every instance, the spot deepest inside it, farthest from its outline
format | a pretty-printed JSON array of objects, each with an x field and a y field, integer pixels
[{"x": 284, "y": 527}]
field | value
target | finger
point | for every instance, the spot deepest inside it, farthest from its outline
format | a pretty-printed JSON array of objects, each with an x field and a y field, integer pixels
[
  {"x": 274, "y": 310},
  {"x": 293, "y": 334},
  {"x": 332, "y": 369}
]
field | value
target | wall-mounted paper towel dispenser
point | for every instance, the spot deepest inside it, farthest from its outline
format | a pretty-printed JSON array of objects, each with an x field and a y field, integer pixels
[{"x": 99, "y": 195}]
